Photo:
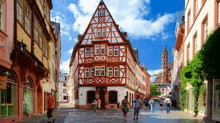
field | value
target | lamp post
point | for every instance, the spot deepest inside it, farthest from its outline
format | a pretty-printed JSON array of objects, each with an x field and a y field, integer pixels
[{"x": 22, "y": 45}]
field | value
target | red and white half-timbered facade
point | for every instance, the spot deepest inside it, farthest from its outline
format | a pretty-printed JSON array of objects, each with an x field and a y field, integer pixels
[{"x": 103, "y": 64}]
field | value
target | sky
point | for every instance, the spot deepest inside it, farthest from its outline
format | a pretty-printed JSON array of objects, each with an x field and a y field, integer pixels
[{"x": 150, "y": 25}]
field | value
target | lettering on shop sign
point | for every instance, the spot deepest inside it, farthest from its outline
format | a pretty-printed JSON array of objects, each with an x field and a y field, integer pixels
[{"x": 3, "y": 82}]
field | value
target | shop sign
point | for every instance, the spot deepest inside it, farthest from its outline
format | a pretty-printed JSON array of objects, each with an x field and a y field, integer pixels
[{"x": 3, "y": 82}]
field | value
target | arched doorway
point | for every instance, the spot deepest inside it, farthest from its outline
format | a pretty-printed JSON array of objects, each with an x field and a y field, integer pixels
[{"x": 28, "y": 97}]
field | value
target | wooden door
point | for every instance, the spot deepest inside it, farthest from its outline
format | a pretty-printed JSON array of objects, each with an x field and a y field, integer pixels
[{"x": 102, "y": 98}]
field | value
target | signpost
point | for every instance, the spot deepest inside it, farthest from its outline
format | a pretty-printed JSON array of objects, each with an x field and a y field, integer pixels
[{"x": 3, "y": 82}]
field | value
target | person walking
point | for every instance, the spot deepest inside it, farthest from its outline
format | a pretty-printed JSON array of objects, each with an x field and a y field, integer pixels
[
  {"x": 50, "y": 107},
  {"x": 99, "y": 103},
  {"x": 146, "y": 102},
  {"x": 94, "y": 103},
  {"x": 137, "y": 104},
  {"x": 167, "y": 101},
  {"x": 124, "y": 105},
  {"x": 152, "y": 103}
]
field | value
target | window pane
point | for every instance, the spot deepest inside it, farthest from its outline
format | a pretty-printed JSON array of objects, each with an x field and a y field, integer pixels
[
  {"x": 97, "y": 49},
  {"x": 110, "y": 51},
  {"x": 102, "y": 71},
  {"x": 102, "y": 49},
  {"x": 87, "y": 52},
  {"x": 116, "y": 50}
]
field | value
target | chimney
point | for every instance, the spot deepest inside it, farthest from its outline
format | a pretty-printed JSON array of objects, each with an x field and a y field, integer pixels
[
  {"x": 125, "y": 34},
  {"x": 79, "y": 37}
]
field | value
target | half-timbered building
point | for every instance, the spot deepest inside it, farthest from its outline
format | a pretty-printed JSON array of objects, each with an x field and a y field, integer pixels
[{"x": 103, "y": 64}]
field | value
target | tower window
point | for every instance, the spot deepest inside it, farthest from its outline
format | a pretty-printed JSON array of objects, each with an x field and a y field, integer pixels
[{"x": 101, "y": 12}]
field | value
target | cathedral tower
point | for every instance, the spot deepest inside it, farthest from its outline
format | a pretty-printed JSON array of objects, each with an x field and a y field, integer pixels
[{"x": 164, "y": 65}]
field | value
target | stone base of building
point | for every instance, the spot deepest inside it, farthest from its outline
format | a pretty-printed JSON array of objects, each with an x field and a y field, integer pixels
[{"x": 210, "y": 120}]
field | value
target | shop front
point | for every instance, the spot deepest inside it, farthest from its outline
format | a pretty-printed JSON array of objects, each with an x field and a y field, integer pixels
[{"x": 8, "y": 94}]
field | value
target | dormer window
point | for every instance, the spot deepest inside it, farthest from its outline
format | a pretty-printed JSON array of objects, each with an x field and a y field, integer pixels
[{"x": 101, "y": 12}]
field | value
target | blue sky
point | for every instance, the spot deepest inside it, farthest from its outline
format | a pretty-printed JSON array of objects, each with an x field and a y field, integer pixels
[{"x": 150, "y": 25}]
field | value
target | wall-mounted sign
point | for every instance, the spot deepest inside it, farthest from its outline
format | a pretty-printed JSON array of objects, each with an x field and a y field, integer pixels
[{"x": 3, "y": 82}]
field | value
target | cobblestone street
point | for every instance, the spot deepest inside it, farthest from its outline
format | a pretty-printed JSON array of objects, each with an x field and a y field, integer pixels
[{"x": 69, "y": 115}]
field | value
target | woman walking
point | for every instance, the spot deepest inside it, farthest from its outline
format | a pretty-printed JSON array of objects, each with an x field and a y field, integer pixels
[
  {"x": 94, "y": 103},
  {"x": 124, "y": 106}
]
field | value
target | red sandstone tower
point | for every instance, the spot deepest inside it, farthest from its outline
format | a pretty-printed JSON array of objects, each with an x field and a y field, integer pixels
[{"x": 164, "y": 65}]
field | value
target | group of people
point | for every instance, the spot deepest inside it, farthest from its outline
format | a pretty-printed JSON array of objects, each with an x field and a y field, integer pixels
[{"x": 138, "y": 103}]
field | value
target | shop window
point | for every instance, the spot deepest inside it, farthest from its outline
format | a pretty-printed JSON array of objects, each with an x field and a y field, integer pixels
[
  {"x": 113, "y": 97},
  {"x": 90, "y": 96},
  {"x": 28, "y": 97}
]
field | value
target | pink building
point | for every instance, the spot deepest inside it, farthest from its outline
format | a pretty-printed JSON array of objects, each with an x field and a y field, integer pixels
[{"x": 6, "y": 32}]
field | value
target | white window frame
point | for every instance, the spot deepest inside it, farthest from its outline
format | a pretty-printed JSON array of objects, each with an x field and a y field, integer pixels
[
  {"x": 20, "y": 11},
  {"x": 102, "y": 49},
  {"x": 195, "y": 40},
  {"x": 110, "y": 71},
  {"x": 116, "y": 48},
  {"x": 219, "y": 12},
  {"x": 196, "y": 7},
  {"x": 86, "y": 72},
  {"x": 110, "y": 50},
  {"x": 96, "y": 49},
  {"x": 99, "y": 32},
  {"x": 92, "y": 71},
  {"x": 102, "y": 69},
  {"x": 206, "y": 30},
  {"x": 97, "y": 70},
  {"x": 92, "y": 52},
  {"x": 101, "y": 12},
  {"x": 87, "y": 52},
  {"x": 104, "y": 32},
  {"x": 116, "y": 69},
  {"x": 2, "y": 20},
  {"x": 28, "y": 19}
]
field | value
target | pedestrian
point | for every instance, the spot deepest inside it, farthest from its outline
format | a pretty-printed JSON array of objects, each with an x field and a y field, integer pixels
[
  {"x": 167, "y": 101},
  {"x": 99, "y": 103},
  {"x": 50, "y": 107},
  {"x": 152, "y": 103},
  {"x": 137, "y": 104},
  {"x": 94, "y": 104},
  {"x": 146, "y": 103},
  {"x": 124, "y": 105}
]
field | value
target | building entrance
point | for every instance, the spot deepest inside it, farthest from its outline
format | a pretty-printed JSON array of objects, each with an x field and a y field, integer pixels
[{"x": 102, "y": 91}]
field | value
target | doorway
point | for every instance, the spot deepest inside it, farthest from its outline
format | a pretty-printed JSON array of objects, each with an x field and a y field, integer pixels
[{"x": 102, "y": 98}]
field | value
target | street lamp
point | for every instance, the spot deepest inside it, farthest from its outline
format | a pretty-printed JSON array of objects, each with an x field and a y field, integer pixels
[{"x": 22, "y": 45}]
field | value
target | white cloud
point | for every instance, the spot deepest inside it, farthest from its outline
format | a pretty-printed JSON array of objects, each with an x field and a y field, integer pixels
[
  {"x": 153, "y": 73},
  {"x": 65, "y": 66},
  {"x": 128, "y": 14},
  {"x": 70, "y": 38},
  {"x": 60, "y": 18},
  {"x": 70, "y": 51}
]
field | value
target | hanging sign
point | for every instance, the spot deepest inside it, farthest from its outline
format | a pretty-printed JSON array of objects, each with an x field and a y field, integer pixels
[{"x": 3, "y": 82}]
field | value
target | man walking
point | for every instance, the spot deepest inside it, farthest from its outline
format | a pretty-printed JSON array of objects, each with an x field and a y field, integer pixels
[
  {"x": 50, "y": 107},
  {"x": 137, "y": 104},
  {"x": 95, "y": 104},
  {"x": 152, "y": 103},
  {"x": 167, "y": 101}
]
